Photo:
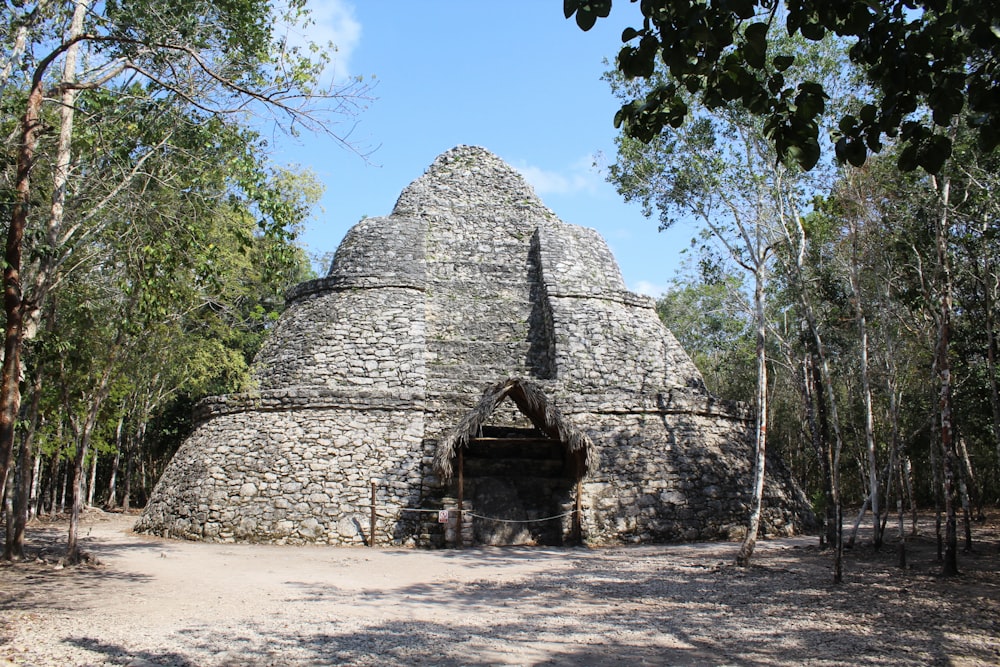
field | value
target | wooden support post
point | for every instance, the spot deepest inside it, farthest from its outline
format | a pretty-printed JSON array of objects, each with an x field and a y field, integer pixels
[
  {"x": 901, "y": 548},
  {"x": 371, "y": 525},
  {"x": 461, "y": 494},
  {"x": 577, "y": 530}
]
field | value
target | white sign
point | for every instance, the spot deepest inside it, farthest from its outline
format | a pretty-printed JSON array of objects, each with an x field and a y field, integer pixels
[{"x": 443, "y": 516}]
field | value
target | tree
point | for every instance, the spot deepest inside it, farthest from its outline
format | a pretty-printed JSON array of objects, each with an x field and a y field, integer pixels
[
  {"x": 706, "y": 309},
  {"x": 219, "y": 60},
  {"x": 712, "y": 170},
  {"x": 720, "y": 169},
  {"x": 925, "y": 62}
]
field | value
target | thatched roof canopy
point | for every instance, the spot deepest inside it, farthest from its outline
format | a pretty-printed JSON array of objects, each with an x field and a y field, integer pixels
[{"x": 530, "y": 400}]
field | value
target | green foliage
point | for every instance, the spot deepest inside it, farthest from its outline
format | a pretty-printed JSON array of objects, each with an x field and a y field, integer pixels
[
  {"x": 707, "y": 312},
  {"x": 155, "y": 279},
  {"x": 925, "y": 62}
]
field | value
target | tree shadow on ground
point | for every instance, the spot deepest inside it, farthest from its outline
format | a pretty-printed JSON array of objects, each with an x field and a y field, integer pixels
[
  {"x": 674, "y": 609},
  {"x": 642, "y": 606}
]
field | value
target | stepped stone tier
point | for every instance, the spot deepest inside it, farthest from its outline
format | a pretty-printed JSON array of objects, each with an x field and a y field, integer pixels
[{"x": 470, "y": 353}]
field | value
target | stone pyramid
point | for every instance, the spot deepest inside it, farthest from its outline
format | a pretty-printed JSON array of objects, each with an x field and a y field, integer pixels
[{"x": 458, "y": 356}]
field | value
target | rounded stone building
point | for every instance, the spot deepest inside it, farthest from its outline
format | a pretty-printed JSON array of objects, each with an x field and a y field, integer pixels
[{"x": 470, "y": 353}]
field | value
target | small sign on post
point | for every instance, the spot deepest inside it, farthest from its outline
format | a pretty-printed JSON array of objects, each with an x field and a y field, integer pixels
[{"x": 442, "y": 516}]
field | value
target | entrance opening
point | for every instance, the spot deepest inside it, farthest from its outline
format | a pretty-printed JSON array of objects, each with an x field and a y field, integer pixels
[
  {"x": 520, "y": 483},
  {"x": 521, "y": 473}
]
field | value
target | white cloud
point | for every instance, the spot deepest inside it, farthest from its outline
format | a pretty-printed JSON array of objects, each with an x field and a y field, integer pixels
[
  {"x": 331, "y": 22},
  {"x": 649, "y": 289},
  {"x": 581, "y": 176}
]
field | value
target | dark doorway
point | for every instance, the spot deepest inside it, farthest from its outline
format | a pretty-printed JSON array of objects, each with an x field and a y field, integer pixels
[{"x": 519, "y": 483}]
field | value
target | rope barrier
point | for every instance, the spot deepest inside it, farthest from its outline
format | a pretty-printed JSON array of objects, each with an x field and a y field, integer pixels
[
  {"x": 472, "y": 514},
  {"x": 548, "y": 518}
]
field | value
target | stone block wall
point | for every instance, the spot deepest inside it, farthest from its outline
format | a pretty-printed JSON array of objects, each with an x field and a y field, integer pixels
[
  {"x": 293, "y": 476},
  {"x": 347, "y": 336},
  {"x": 603, "y": 334}
]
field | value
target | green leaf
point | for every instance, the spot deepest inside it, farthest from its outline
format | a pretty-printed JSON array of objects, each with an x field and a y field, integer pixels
[
  {"x": 781, "y": 63},
  {"x": 867, "y": 113},
  {"x": 585, "y": 20},
  {"x": 933, "y": 153},
  {"x": 743, "y": 9},
  {"x": 851, "y": 150},
  {"x": 587, "y": 13},
  {"x": 628, "y": 34},
  {"x": 907, "y": 160},
  {"x": 812, "y": 30},
  {"x": 755, "y": 45}
]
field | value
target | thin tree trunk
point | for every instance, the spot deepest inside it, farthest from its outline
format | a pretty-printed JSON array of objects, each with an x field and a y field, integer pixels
[
  {"x": 93, "y": 480},
  {"x": 15, "y": 305},
  {"x": 84, "y": 434},
  {"x": 989, "y": 289},
  {"x": 901, "y": 547},
  {"x": 35, "y": 495},
  {"x": 911, "y": 492},
  {"x": 969, "y": 477},
  {"x": 112, "y": 483},
  {"x": 813, "y": 406},
  {"x": 63, "y": 485},
  {"x": 14, "y": 548},
  {"x": 866, "y": 392},
  {"x": 866, "y": 388},
  {"x": 753, "y": 527},
  {"x": 857, "y": 522},
  {"x": 45, "y": 265},
  {"x": 20, "y": 40},
  {"x": 938, "y": 486},
  {"x": 948, "y": 451},
  {"x": 963, "y": 490},
  {"x": 53, "y": 483},
  {"x": 10, "y": 376},
  {"x": 73, "y": 547},
  {"x": 129, "y": 467}
]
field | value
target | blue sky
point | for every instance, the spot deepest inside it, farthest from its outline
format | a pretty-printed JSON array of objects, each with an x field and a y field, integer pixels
[{"x": 516, "y": 78}]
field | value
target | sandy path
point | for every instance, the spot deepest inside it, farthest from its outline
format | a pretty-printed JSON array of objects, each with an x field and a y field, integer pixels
[{"x": 152, "y": 601}]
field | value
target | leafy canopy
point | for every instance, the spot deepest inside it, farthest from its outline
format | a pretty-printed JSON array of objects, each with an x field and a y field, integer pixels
[{"x": 926, "y": 61}]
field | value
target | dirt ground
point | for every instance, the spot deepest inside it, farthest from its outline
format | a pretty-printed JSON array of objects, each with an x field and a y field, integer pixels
[{"x": 150, "y": 601}]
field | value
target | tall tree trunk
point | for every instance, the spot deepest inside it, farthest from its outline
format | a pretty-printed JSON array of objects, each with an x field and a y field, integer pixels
[
  {"x": 866, "y": 386},
  {"x": 857, "y": 521},
  {"x": 866, "y": 394},
  {"x": 10, "y": 375},
  {"x": 92, "y": 484},
  {"x": 14, "y": 548},
  {"x": 824, "y": 451},
  {"x": 63, "y": 485},
  {"x": 84, "y": 434},
  {"x": 45, "y": 266},
  {"x": 937, "y": 484},
  {"x": 911, "y": 493},
  {"x": 112, "y": 483},
  {"x": 15, "y": 306},
  {"x": 753, "y": 527},
  {"x": 963, "y": 491},
  {"x": 34, "y": 498},
  {"x": 813, "y": 403},
  {"x": 990, "y": 286},
  {"x": 53, "y": 483},
  {"x": 797, "y": 240},
  {"x": 948, "y": 451},
  {"x": 129, "y": 469},
  {"x": 969, "y": 477}
]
